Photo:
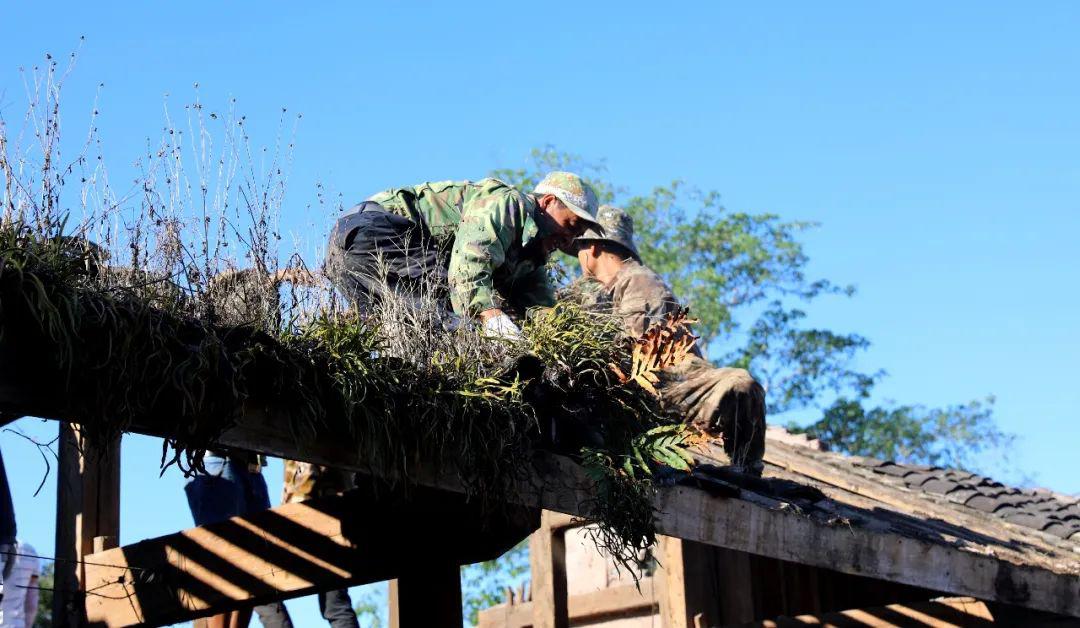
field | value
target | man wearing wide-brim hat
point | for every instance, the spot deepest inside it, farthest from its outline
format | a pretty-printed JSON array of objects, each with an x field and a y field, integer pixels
[
  {"x": 726, "y": 402},
  {"x": 482, "y": 247}
]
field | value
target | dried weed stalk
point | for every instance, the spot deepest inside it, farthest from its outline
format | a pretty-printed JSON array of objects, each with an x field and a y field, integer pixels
[{"x": 168, "y": 304}]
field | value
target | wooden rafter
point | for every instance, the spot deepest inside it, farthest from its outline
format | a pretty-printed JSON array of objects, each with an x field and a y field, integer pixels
[
  {"x": 855, "y": 534},
  {"x": 294, "y": 550}
]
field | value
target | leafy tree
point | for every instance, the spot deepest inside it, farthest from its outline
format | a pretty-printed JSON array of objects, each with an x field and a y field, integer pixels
[
  {"x": 45, "y": 596},
  {"x": 483, "y": 584},
  {"x": 949, "y": 437},
  {"x": 371, "y": 605},
  {"x": 744, "y": 277}
]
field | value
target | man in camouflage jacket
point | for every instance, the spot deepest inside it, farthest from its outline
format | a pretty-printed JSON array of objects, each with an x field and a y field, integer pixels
[
  {"x": 721, "y": 401},
  {"x": 481, "y": 246}
]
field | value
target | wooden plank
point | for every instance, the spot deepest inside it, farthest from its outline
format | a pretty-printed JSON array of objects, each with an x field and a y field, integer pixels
[
  {"x": 87, "y": 514},
  {"x": 670, "y": 580},
  {"x": 764, "y": 527},
  {"x": 758, "y": 525},
  {"x": 69, "y": 497},
  {"x": 560, "y": 521},
  {"x": 866, "y": 540},
  {"x": 735, "y": 586},
  {"x": 687, "y": 586},
  {"x": 941, "y": 613},
  {"x": 547, "y": 557},
  {"x": 620, "y": 601},
  {"x": 292, "y": 550},
  {"x": 428, "y": 598}
]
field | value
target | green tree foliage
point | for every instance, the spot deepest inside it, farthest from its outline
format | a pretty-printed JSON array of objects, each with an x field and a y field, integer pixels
[
  {"x": 483, "y": 585},
  {"x": 45, "y": 596},
  {"x": 948, "y": 437},
  {"x": 744, "y": 277}
]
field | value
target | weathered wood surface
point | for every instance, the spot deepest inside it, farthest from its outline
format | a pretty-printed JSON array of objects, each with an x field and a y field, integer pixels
[
  {"x": 297, "y": 549},
  {"x": 547, "y": 558},
  {"x": 615, "y": 602},
  {"x": 860, "y": 486},
  {"x": 941, "y": 613},
  {"x": 687, "y": 586},
  {"x": 863, "y": 529},
  {"x": 87, "y": 516}
]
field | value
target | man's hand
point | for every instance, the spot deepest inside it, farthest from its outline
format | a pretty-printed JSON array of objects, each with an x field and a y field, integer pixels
[{"x": 497, "y": 323}]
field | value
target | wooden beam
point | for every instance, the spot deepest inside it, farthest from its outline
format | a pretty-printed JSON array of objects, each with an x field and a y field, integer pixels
[
  {"x": 618, "y": 602},
  {"x": 865, "y": 539},
  {"x": 751, "y": 523},
  {"x": 547, "y": 557},
  {"x": 941, "y": 613},
  {"x": 431, "y": 597},
  {"x": 765, "y": 527},
  {"x": 87, "y": 516},
  {"x": 293, "y": 550}
]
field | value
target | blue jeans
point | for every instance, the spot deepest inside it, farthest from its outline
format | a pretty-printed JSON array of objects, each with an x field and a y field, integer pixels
[{"x": 228, "y": 489}]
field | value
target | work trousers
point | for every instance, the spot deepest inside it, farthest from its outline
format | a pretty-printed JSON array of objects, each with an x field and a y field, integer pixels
[
  {"x": 725, "y": 402},
  {"x": 372, "y": 250}
]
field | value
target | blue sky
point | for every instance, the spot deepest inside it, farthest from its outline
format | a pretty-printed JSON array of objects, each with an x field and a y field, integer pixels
[{"x": 937, "y": 144}]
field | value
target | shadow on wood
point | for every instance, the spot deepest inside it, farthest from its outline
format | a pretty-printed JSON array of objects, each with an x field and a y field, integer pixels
[{"x": 294, "y": 550}]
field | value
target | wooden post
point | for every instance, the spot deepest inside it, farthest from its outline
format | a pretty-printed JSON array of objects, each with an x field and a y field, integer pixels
[
  {"x": 431, "y": 598},
  {"x": 87, "y": 516},
  {"x": 687, "y": 584},
  {"x": 547, "y": 556},
  {"x": 735, "y": 585}
]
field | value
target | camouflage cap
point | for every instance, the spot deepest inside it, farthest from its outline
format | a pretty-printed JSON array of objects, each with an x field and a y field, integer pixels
[
  {"x": 572, "y": 191},
  {"x": 617, "y": 226}
]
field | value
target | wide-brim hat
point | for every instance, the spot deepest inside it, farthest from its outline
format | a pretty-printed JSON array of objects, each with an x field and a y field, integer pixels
[{"x": 616, "y": 226}]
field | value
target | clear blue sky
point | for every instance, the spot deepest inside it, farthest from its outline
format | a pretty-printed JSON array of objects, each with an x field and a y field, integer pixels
[{"x": 937, "y": 143}]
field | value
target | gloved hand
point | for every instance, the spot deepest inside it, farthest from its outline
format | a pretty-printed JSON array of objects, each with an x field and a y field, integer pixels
[{"x": 501, "y": 326}]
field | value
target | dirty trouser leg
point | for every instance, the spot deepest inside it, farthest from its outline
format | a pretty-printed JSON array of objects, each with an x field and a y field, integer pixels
[
  {"x": 725, "y": 402},
  {"x": 336, "y": 608},
  {"x": 273, "y": 615},
  {"x": 372, "y": 250}
]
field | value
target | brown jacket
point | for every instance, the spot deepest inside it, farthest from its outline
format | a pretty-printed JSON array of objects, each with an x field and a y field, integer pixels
[{"x": 727, "y": 402}]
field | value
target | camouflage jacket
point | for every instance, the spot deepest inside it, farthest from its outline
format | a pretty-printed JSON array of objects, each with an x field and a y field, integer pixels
[{"x": 488, "y": 226}]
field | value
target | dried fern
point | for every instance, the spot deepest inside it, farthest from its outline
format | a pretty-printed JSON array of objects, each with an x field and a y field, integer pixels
[{"x": 665, "y": 344}]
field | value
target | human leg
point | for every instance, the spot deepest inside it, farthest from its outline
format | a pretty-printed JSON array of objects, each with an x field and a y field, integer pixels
[
  {"x": 336, "y": 607},
  {"x": 724, "y": 402},
  {"x": 256, "y": 498},
  {"x": 214, "y": 495},
  {"x": 372, "y": 250}
]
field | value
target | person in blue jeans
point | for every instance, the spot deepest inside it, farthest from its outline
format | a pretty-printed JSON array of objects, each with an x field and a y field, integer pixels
[{"x": 233, "y": 485}]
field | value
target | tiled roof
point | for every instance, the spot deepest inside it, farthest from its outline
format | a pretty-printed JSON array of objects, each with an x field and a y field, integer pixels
[
  {"x": 1035, "y": 508},
  {"x": 1041, "y": 509}
]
